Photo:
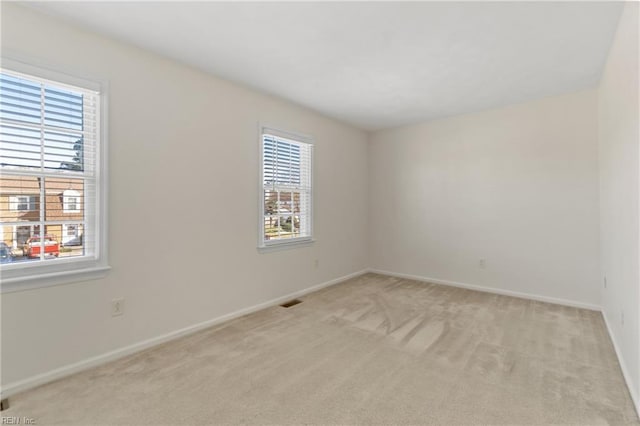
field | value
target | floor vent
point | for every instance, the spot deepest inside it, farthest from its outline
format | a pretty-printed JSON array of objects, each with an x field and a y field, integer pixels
[{"x": 291, "y": 303}]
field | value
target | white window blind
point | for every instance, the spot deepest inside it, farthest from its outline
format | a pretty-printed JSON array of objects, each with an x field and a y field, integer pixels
[
  {"x": 49, "y": 144},
  {"x": 286, "y": 196}
]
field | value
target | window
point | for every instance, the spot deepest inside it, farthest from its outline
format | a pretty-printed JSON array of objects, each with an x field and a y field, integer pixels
[
  {"x": 22, "y": 203},
  {"x": 52, "y": 177},
  {"x": 71, "y": 201},
  {"x": 72, "y": 237},
  {"x": 72, "y": 230},
  {"x": 286, "y": 188}
]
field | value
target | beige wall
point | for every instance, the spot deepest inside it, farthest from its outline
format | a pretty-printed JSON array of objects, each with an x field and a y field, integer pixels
[
  {"x": 619, "y": 155},
  {"x": 517, "y": 187},
  {"x": 183, "y": 204}
]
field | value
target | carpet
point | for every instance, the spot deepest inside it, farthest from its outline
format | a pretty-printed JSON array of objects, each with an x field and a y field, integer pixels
[{"x": 371, "y": 350}]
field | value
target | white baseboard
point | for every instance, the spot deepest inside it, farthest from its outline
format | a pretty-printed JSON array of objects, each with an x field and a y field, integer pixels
[
  {"x": 623, "y": 367},
  {"x": 40, "y": 379},
  {"x": 503, "y": 292}
]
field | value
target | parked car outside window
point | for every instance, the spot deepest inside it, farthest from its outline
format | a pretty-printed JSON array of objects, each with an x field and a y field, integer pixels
[
  {"x": 51, "y": 246},
  {"x": 75, "y": 241},
  {"x": 5, "y": 253}
]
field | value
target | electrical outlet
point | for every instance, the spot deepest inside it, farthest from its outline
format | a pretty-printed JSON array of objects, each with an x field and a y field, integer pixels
[
  {"x": 482, "y": 263},
  {"x": 605, "y": 282},
  {"x": 316, "y": 263},
  {"x": 117, "y": 307}
]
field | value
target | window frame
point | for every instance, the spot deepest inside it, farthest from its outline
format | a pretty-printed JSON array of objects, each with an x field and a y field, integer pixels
[
  {"x": 287, "y": 243},
  {"x": 30, "y": 275}
]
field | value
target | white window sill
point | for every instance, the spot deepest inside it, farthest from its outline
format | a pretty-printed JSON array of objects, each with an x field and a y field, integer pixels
[
  {"x": 48, "y": 279},
  {"x": 285, "y": 245}
]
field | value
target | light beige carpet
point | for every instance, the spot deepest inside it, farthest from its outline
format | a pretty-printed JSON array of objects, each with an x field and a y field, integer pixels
[{"x": 371, "y": 350}]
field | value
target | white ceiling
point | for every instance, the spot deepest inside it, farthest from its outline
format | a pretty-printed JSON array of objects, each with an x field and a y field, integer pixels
[{"x": 374, "y": 64}]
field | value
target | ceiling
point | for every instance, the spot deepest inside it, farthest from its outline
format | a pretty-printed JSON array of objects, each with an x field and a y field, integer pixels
[{"x": 374, "y": 64}]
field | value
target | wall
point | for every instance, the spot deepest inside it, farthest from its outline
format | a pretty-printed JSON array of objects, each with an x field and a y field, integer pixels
[
  {"x": 183, "y": 209},
  {"x": 619, "y": 194},
  {"x": 517, "y": 187}
]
